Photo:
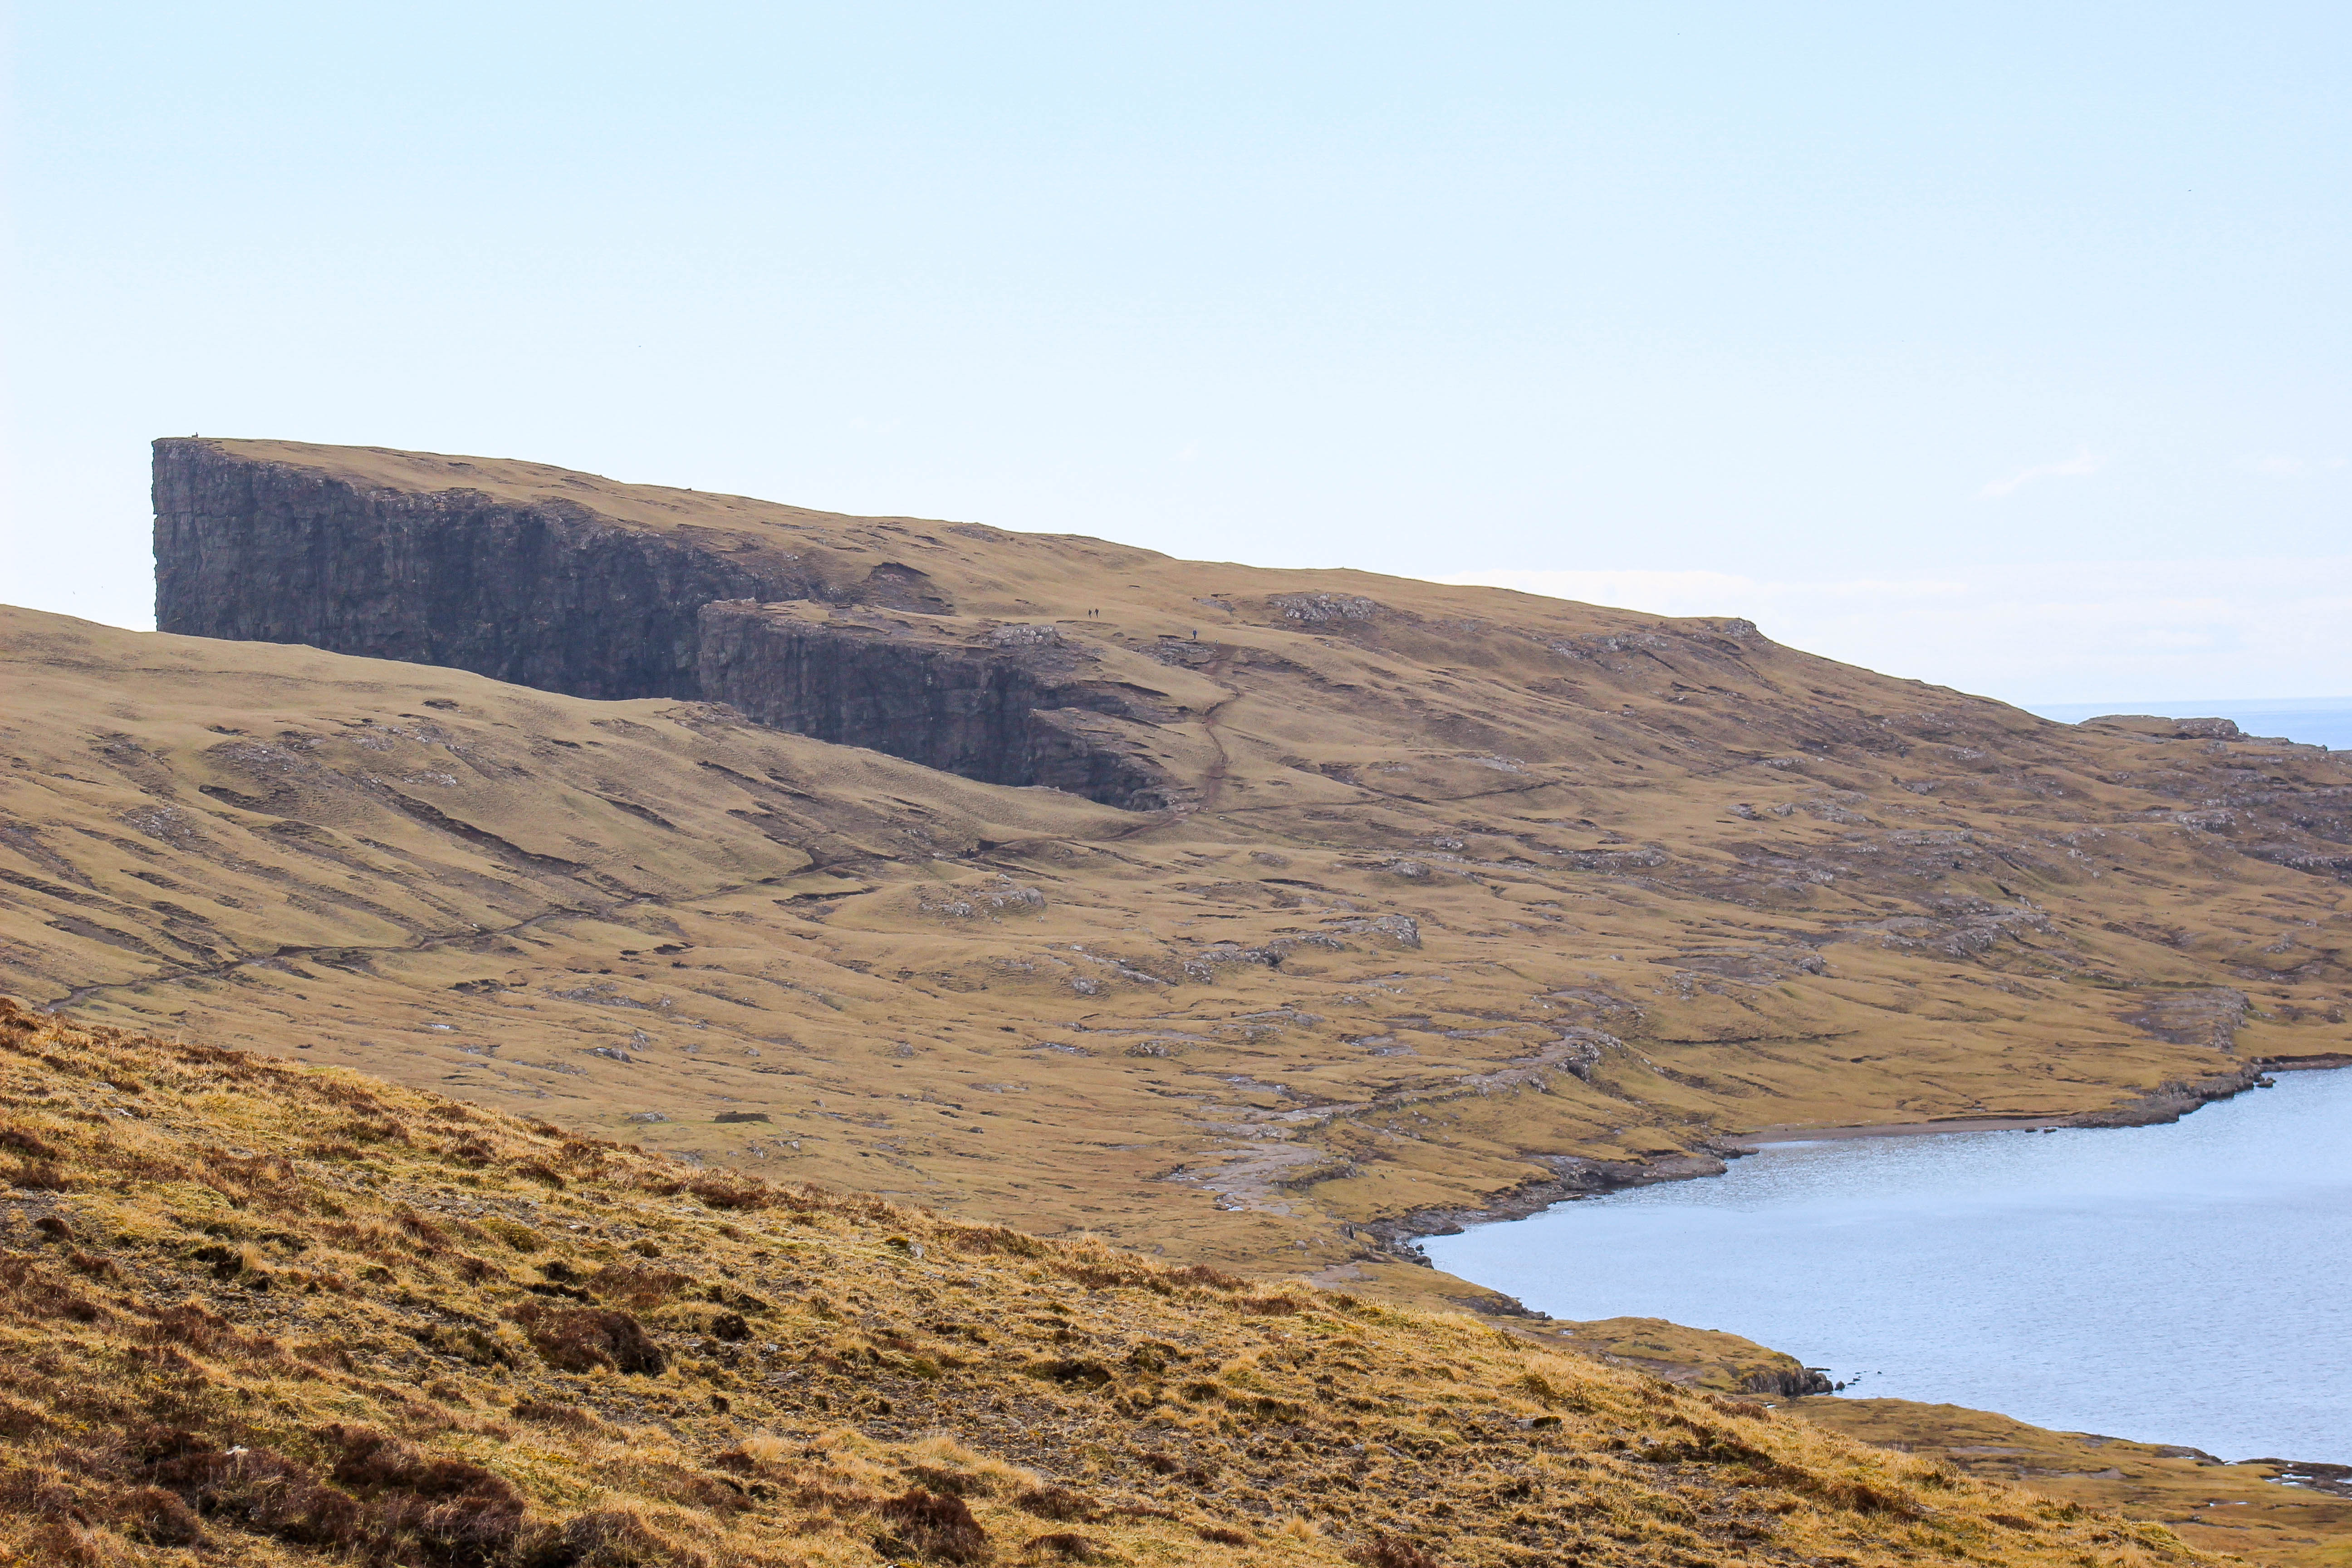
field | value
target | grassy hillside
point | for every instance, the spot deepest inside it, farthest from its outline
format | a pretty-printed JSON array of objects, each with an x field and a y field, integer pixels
[
  {"x": 1393, "y": 979},
  {"x": 258, "y": 1313},
  {"x": 1455, "y": 901},
  {"x": 2240, "y": 1509}
]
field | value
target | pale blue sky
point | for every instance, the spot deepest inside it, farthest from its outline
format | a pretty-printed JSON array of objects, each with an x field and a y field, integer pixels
[{"x": 1999, "y": 345}]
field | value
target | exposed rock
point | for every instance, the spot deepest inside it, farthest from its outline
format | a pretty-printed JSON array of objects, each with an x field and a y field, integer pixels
[
  {"x": 895, "y": 585},
  {"x": 1401, "y": 930},
  {"x": 980, "y": 711},
  {"x": 551, "y": 593},
  {"x": 2335, "y": 1480},
  {"x": 2167, "y": 728},
  {"x": 1004, "y": 897},
  {"x": 2171, "y": 1100},
  {"x": 2208, "y": 1017},
  {"x": 1324, "y": 606},
  {"x": 1788, "y": 1385}
]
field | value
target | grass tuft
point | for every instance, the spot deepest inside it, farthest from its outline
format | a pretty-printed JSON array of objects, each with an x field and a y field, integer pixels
[{"x": 224, "y": 1340}]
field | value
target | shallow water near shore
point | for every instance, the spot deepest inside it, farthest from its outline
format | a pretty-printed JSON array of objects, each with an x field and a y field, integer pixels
[{"x": 2189, "y": 1283}]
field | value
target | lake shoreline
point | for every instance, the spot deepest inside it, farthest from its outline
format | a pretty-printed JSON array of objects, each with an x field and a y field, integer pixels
[
  {"x": 1688, "y": 1273},
  {"x": 2259, "y": 1067},
  {"x": 1579, "y": 1177}
]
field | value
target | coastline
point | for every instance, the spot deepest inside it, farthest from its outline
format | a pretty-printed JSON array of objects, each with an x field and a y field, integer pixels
[
  {"x": 1399, "y": 1239},
  {"x": 2320, "y": 1062}
]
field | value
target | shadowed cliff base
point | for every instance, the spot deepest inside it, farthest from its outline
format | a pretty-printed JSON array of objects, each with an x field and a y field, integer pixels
[{"x": 1004, "y": 704}]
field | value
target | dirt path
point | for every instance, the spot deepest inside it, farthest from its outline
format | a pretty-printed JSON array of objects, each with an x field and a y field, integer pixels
[{"x": 1212, "y": 781}]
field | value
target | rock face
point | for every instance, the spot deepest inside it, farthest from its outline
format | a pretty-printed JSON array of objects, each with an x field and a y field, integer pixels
[
  {"x": 550, "y": 592},
  {"x": 547, "y": 595},
  {"x": 1002, "y": 712},
  {"x": 1138, "y": 680},
  {"x": 1786, "y": 1385}
]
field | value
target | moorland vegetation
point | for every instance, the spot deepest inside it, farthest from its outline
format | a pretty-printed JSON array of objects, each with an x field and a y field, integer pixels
[{"x": 258, "y": 1313}]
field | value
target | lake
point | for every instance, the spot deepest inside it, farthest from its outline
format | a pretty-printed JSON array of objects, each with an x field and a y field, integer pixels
[{"x": 2189, "y": 1283}]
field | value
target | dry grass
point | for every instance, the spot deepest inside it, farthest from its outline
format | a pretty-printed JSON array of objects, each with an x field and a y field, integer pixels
[
  {"x": 1481, "y": 878},
  {"x": 2220, "y": 1507},
  {"x": 223, "y": 1342}
]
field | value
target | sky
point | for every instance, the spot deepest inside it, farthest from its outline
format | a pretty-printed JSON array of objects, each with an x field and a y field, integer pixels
[{"x": 2003, "y": 346}]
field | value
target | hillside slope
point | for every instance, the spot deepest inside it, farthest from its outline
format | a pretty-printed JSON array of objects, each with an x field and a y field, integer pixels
[
  {"x": 252, "y": 1313},
  {"x": 1401, "y": 902}
]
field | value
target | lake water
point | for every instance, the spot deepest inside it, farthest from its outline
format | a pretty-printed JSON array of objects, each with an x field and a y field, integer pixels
[
  {"x": 2315, "y": 721},
  {"x": 2189, "y": 1283}
]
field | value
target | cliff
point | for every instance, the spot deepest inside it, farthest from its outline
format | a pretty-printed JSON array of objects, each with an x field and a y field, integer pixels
[
  {"x": 1006, "y": 705},
  {"x": 545, "y": 580},
  {"x": 1072, "y": 663},
  {"x": 544, "y": 592}
]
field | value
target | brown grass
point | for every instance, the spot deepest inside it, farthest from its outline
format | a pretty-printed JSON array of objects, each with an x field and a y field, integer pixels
[
  {"x": 811, "y": 1380},
  {"x": 1479, "y": 875}
]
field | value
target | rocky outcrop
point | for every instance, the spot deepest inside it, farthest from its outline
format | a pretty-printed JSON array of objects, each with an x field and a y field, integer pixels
[
  {"x": 1005, "y": 711},
  {"x": 2171, "y": 1100},
  {"x": 551, "y": 594},
  {"x": 2167, "y": 728},
  {"x": 548, "y": 594},
  {"x": 1789, "y": 1382},
  {"x": 2335, "y": 1479}
]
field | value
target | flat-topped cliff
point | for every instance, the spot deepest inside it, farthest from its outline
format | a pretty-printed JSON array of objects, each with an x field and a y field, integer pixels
[
  {"x": 1353, "y": 904},
  {"x": 557, "y": 581},
  {"x": 542, "y": 591}
]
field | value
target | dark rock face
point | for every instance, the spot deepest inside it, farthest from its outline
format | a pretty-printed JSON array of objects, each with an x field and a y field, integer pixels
[
  {"x": 998, "y": 713},
  {"x": 1791, "y": 1384},
  {"x": 550, "y": 595}
]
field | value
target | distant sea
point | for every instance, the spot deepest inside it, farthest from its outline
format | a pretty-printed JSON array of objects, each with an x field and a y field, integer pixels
[{"x": 2315, "y": 721}]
